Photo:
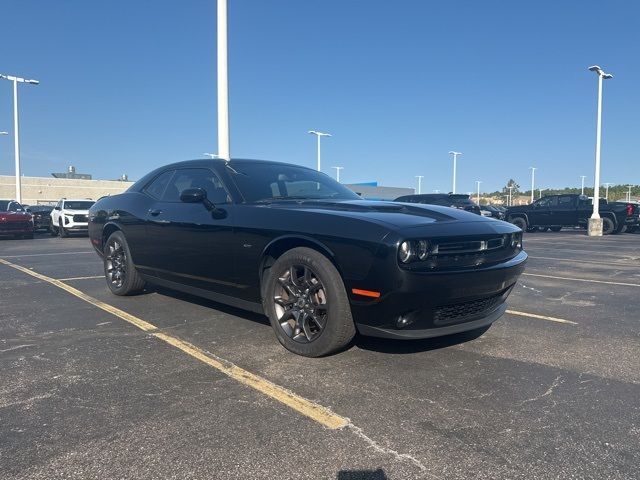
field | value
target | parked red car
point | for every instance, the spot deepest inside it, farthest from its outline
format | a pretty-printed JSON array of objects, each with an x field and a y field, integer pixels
[{"x": 14, "y": 220}]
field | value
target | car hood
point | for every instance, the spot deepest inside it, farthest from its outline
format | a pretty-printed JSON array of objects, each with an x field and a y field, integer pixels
[
  {"x": 68, "y": 211},
  {"x": 394, "y": 214},
  {"x": 14, "y": 216}
]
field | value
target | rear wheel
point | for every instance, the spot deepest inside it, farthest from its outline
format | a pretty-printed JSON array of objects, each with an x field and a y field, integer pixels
[
  {"x": 608, "y": 227},
  {"x": 555, "y": 228},
  {"x": 122, "y": 276},
  {"x": 307, "y": 304},
  {"x": 520, "y": 222}
]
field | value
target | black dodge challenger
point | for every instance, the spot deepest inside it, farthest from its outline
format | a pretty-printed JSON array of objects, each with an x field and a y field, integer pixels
[{"x": 318, "y": 260}]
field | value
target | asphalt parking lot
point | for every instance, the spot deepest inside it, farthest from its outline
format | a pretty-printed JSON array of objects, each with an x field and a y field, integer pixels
[{"x": 550, "y": 391}]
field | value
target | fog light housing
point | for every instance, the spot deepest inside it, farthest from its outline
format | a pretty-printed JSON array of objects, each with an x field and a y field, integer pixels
[{"x": 403, "y": 321}]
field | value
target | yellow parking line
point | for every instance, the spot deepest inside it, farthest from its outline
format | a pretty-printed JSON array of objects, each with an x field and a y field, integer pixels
[
  {"x": 541, "y": 317},
  {"x": 588, "y": 280},
  {"x": 80, "y": 278},
  {"x": 306, "y": 407}
]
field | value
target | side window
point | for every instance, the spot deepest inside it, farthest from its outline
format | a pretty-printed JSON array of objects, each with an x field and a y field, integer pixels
[
  {"x": 553, "y": 202},
  {"x": 543, "y": 202},
  {"x": 14, "y": 207},
  {"x": 196, "y": 178},
  {"x": 158, "y": 185},
  {"x": 565, "y": 202}
]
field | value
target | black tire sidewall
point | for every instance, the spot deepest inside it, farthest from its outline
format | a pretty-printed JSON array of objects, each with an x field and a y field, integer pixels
[
  {"x": 608, "y": 231},
  {"x": 520, "y": 222},
  {"x": 128, "y": 286},
  {"x": 339, "y": 329}
]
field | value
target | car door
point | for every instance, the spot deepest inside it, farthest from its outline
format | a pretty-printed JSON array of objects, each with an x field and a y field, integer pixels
[
  {"x": 565, "y": 213},
  {"x": 539, "y": 212},
  {"x": 191, "y": 244}
]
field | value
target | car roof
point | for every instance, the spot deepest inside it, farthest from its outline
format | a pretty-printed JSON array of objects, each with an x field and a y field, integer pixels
[{"x": 208, "y": 162}]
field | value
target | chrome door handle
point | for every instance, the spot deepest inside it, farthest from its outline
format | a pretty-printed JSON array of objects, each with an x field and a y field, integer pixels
[{"x": 155, "y": 213}]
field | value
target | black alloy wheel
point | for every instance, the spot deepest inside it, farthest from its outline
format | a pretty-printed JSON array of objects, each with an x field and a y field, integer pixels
[
  {"x": 119, "y": 270},
  {"x": 307, "y": 303},
  {"x": 301, "y": 303},
  {"x": 520, "y": 222}
]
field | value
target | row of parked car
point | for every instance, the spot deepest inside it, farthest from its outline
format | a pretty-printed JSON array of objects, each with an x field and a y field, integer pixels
[
  {"x": 552, "y": 212},
  {"x": 22, "y": 221}
]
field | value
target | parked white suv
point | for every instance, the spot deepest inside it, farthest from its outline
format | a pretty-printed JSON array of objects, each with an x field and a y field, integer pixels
[{"x": 70, "y": 216}]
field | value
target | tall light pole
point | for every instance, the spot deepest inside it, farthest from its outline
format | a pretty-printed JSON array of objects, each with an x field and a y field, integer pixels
[
  {"x": 583, "y": 177},
  {"x": 533, "y": 177},
  {"x": 455, "y": 158},
  {"x": 510, "y": 198},
  {"x": 478, "y": 182},
  {"x": 223, "y": 84},
  {"x": 595, "y": 222},
  {"x": 606, "y": 195},
  {"x": 318, "y": 135},
  {"x": 211, "y": 155},
  {"x": 540, "y": 190},
  {"x": 338, "y": 173},
  {"x": 629, "y": 193},
  {"x": 419, "y": 177},
  {"x": 16, "y": 142}
]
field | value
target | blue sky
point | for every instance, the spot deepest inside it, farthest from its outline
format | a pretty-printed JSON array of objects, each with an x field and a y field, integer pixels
[{"x": 127, "y": 86}]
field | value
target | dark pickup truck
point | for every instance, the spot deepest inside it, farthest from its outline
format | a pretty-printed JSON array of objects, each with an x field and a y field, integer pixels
[{"x": 557, "y": 211}]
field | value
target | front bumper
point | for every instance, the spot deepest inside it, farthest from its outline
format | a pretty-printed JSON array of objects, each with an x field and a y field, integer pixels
[
  {"x": 431, "y": 304},
  {"x": 9, "y": 229}
]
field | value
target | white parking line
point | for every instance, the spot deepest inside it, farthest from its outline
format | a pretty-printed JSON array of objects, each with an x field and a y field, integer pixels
[
  {"x": 598, "y": 252},
  {"x": 541, "y": 317},
  {"x": 45, "y": 254},
  {"x": 572, "y": 260},
  {"x": 588, "y": 280}
]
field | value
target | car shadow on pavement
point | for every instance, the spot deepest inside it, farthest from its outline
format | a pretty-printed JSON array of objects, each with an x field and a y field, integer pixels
[
  {"x": 387, "y": 345},
  {"x": 362, "y": 475},
  {"x": 205, "y": 302}
]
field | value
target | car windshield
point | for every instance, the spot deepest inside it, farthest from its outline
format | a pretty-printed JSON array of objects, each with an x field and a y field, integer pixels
[
  {"x": 264, "y": 182},
  {"x": 9, "y": 205},
  {"x": 40, "y": 208},
  {"x": 77, "y": 205}
]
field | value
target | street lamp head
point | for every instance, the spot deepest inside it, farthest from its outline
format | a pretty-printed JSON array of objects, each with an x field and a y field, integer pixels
[
  {"x": 32, "y": 82},
  {"x": 600, "y": 72},
  {"x": 320, "y": 134},
  {"x": 455, "y": 153},
  {"x": 4, "y": 133}
]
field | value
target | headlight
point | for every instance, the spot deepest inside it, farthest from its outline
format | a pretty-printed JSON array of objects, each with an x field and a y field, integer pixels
[{"x": 405, "y": 252}]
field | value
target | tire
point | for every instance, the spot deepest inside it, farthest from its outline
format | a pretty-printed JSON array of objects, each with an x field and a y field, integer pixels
[
  {"x": 520, "y": 222},
  {"x": 62, "y": 231},
  {"x": 608, "y": 227},
  {"x": 53, "y": 230},
  {"x": 122, "y": 277},
  {"x": 327, "y": 324},
  {"x": 555, "y": 228},
  {"x": 632, "y": 229}
]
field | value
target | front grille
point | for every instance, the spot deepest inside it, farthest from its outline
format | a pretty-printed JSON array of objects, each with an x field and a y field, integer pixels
[
  {"x": 469, "y": 246},
  {"x": 460, "y": 312},
  {"x": 15, "y": 225},
  {"x": 79, "y": 218}
]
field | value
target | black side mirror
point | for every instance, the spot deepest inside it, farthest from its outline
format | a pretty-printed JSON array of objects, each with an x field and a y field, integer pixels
[
  {"x": 196, "y": 195},
  {"x": 193, "y": 195},
  {"x": 57, "y": 208}
]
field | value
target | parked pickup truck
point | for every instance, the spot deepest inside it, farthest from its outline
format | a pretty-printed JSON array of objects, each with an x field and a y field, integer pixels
[{"x": 557, "y": 211}]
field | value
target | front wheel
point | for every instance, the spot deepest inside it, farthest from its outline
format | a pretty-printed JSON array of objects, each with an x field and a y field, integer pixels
[
  {"x": 63, "y": 232},
  {"x": 53, "y": 230},
  {"x": 119, "y": 270},
  {"x": 307, "y": 304}
]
